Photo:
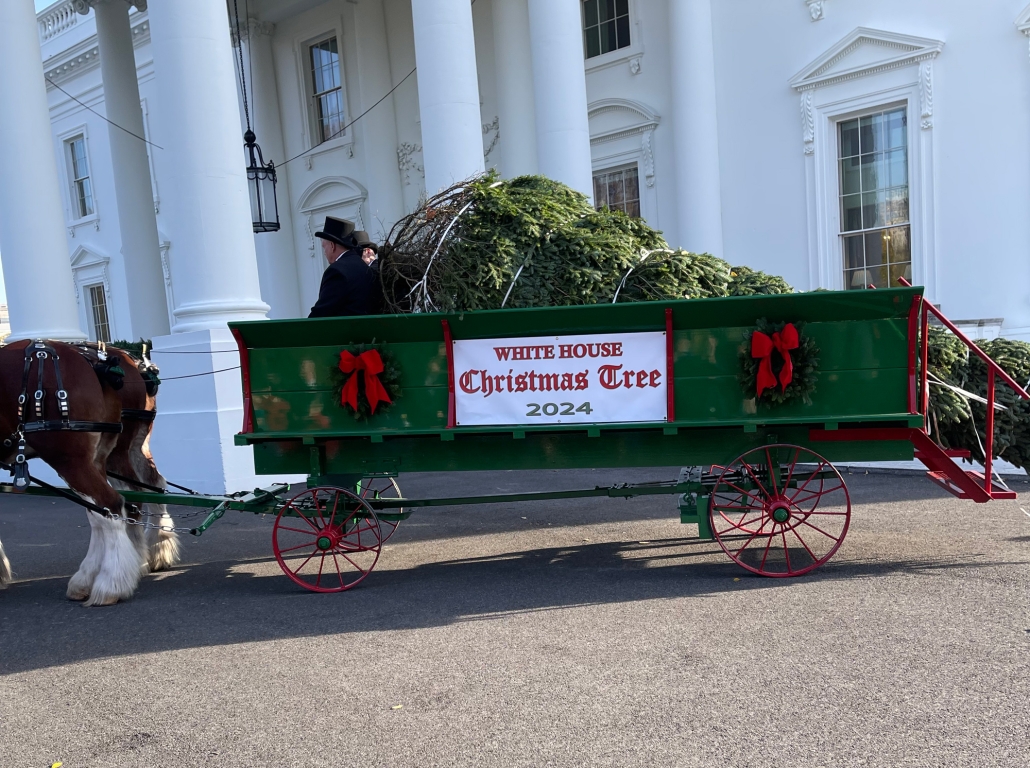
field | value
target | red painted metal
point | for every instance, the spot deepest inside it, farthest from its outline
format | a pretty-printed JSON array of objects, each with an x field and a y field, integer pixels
[
  {"x": 989, "y": 432},
  {"x": 248, "y": 407},
  {"x": 670, "y": 381},
  {"x": 448, "y": 342},
  {"x": 793, "y": 499},
  {"x": 924, "y": 385},
  {"x": 972, "y": 347},
  {"x": 913, "y": 336},
  {"x": 351, "y": 539}
]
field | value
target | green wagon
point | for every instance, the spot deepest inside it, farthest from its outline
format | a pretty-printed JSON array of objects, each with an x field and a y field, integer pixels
[{"x": 758, "y": 477}]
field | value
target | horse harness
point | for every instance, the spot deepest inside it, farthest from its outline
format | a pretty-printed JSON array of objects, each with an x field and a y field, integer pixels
[{"x": 40, "y": 352}]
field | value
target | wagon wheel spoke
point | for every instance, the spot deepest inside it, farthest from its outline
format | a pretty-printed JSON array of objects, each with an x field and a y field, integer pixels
[
  {"x": 328, "y": 512},
  {"x": 782, "y": 513}
]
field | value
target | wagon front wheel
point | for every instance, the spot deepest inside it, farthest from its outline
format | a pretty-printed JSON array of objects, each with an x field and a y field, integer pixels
[
  {"x": 327, "y": 539},
  {"x": 779, "y": 510}
]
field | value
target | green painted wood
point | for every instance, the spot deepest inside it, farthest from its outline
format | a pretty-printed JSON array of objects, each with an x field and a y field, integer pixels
[
  {"x": 863, "y": 377},
  {"x": 549, "y": 450}
]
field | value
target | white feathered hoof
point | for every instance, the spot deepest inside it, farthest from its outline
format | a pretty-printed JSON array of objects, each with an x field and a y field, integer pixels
[
  {"x": 120, "y": 568},
  {"x": 82, "y": 582},
  {"x": 5, "y": 570},
  {"x": 164, "y": 546}
]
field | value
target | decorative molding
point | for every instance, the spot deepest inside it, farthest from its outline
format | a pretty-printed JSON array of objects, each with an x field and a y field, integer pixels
[
  {"x": 900, "y": 51},
  {"x": 83, "y": 7},
  {"x": 85, "y": 56},
  {"x": 251, "y": 27},
  {"x": 815, "y": 9},
  {"x": 635, "y": 65},
  {"x": 647, "y": 155},
  {"x": 406, "y": 161},
  {"x": 326, "y": 194},
  {"x": 493, "y": 125},
  {"x": 644, "y": 119},
  {"x": 807, "y": 122},
  {"x": 1023, "y": 21},
  {"x": 926, "y": 94},
  {"x": 56, "y": 20}
]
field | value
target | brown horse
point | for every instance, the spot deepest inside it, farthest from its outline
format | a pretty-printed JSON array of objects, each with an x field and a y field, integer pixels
[{"x": 75, "y": 435}]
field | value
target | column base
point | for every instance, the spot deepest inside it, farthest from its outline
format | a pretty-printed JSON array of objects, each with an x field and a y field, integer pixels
[
  {"x": 198, "y": 416},
  {"x": 201, "y": 316},
  {"x": 59, "y": 334}
]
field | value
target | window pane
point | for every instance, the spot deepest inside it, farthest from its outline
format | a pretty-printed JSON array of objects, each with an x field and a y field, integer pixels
[
  {"x": 871, "y": 133},
  {"x": 332, "y": 46},
  {"x": 621, "y": 7},
  {"x": 900, "y": 270},
  {"x": 600, "y": 191},
  {"x": 608, "y": 39},
  {"x": 850, "y": 177},
  {"x": 632, "y": 185},
  {"x": 897, "y": 248},
  {"x": 897, "y": 168},
  {"x": 633, "y": 209},
  {"x": 593, "y": 42},
  {"x": 872, "y": 172},
  {"x": 873, "y": 211},
  {"x": 590, "y": 13},
  {"x": 853, "y": 257},
  {"x": 855, "y": 279},
  {"x": 85, "y": 197},
  {"x": 896, "y": 127},
  {"x": 607, "y": 10},
  {"x": 897, "y": 206},
  {"x": 318, "y": 81},
  {"x": 616, "y": 192},
  {"x": 851, "y": 213},
  {"x": 622, "y": 31},
  {"x": 875, "y": 249},
  {"x": 849, "y": 138}
]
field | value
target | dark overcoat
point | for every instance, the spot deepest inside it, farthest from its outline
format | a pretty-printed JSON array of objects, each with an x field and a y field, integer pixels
[{"x": 349, "y": 287}]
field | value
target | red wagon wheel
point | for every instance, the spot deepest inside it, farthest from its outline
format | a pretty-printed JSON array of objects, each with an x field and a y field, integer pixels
[
  {"x": 382, "y": 488},
  {"x": 780, "y": 510},
  {"x": 327, "y": 539}
]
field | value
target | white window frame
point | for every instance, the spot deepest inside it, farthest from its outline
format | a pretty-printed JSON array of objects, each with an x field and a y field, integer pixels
[
  {"x": 624, "y": 167},
  {"x": 829, "y": 96},
  {"x": 68, "y": 179},
  {"x": 632, "y": 54},
  {"x": 302, "y": 57},
  {"x": 629, "y": 140},
  {"x": 91, "y": 268}
]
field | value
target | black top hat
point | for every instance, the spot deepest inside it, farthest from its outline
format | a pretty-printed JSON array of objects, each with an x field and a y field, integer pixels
[
  {"x": 361, "y": 239},
  {"x": 337, "y": 231}
]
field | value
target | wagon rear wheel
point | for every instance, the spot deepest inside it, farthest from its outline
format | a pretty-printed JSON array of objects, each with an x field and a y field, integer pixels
[
  {"x": 779, "y": 510},
  {"x": 327, "y": 539},
  {"x": 372, "y": 488}
]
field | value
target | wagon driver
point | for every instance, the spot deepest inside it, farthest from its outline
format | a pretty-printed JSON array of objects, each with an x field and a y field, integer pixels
[{"x": 350, "y": 284}]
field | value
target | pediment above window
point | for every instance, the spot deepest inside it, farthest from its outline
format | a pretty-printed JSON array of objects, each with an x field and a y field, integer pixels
[
  {"x": 612, "y": 119},
  {"x": 329, "y": 192},
  {"x": 865, "y": 52},
  {"x": 1023, "y": 21},
  {"x": 84, "y": 257}
]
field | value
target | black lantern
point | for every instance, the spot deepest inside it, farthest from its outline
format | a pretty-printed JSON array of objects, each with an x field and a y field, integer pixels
[{"x": 261, "y": 182}]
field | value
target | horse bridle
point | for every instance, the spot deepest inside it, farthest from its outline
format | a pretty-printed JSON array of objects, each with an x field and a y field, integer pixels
[{"x": 40, "y": 351}]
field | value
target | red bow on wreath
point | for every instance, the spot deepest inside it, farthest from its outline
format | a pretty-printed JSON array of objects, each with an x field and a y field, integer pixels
[
  {"x": 763, "y": 345},
  {"x": 371, "y": 365}
]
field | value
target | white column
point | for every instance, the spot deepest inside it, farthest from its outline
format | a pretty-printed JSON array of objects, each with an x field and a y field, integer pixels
[
  {"x": 515, "y": 99},
  {"x": 37, "y": 267},
  {"x": 697, "y": 131},
  {"x": 378, "y": 128},
  {"x": 448, "y": 92},
  {"x": 276, "y": 251},
  {"x": 137, "y": 220},
  {"x": 213, "y": 263},
  {"x": 559, "y": 81}
]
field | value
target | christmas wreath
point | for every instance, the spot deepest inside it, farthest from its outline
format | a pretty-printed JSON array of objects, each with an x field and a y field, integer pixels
[
  {"x": 778, "y": 363},
  {"x": 366, "y": 380}
]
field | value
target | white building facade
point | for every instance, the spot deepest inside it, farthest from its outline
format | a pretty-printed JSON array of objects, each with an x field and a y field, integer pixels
[{"x": 838, "y": 143}]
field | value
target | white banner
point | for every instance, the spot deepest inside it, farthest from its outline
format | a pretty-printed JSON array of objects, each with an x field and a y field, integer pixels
[{"x": 594, "y": 379}]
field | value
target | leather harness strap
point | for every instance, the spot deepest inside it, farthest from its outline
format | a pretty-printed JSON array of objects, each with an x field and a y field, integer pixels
[
  {"x": 138, "y": 414},
  {"x": 41, "y": 351}
]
